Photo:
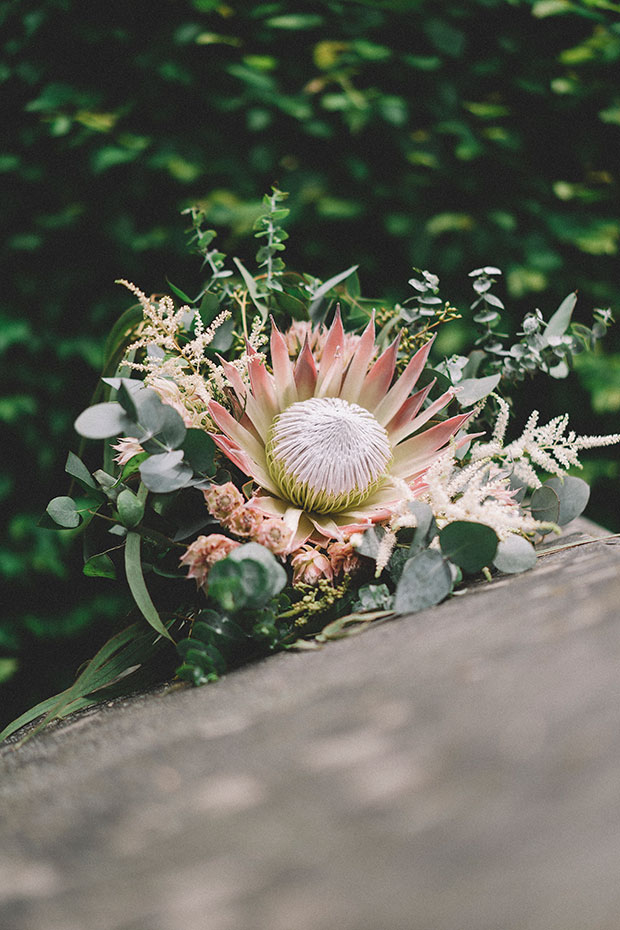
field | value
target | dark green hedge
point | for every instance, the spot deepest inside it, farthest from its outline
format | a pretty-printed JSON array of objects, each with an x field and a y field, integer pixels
[{"x": 443, "y": 134}]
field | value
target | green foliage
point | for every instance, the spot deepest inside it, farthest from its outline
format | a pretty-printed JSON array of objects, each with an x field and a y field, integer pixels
[{"x": 437, "y": 134}]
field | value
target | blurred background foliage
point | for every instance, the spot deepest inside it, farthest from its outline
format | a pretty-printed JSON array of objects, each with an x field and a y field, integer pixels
[{"x": 441, "y": 134}]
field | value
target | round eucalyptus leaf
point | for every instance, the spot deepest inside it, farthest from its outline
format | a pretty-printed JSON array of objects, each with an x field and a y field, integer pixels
[
  {"x": 63, "y": 511},
  {"x": 166, "y": 472},
  {"x": 469, "y": 545},
  {"x": 199, "y": 450},
  {"x": 545, "y": 504},
  {"x": 102, "y": 421},
  {"x": 276, "y": 576},
  {"x": 514, "y": 555},
  {"x": 573, "y": 495},
  {"x": 130, "y": 508},
  {"x": 471, "y": 390},
  {"x": 426, "y": 580}
]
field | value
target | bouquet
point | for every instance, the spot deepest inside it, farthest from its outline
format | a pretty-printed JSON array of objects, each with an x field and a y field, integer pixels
[{"x": 282, "y": 465}]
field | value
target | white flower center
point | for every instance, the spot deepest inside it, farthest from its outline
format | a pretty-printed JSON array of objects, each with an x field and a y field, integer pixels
[{"x": 327, "y": 454}]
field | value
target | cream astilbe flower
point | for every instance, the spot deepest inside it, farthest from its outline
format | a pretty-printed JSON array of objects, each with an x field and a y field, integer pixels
[{"x": 330, "y": 443}]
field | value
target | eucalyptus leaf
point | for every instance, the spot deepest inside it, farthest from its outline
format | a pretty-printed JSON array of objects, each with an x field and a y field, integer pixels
[
  {"x": 371, "y": 539},
  {"x": 103, "y": 421},
  {"x": 130, "y": 508},
  {"x": 137, "y": 585},
  {"x": 325, "y": 288},
  {"x": 63, "y": 511},
  {"x": 426, "y": 580},
  {"x": 471, "y": 390},
  {"x": 165, "y": 472},
  {"x": 514, "y": 554},
  {"x": 560, "y": 321},
  {"x": 276, "y": 574},
  {"x": 545, "y": 504},
  {"x": 75, "y": 467},
  {"x": 252, "y": 287},
  {"x": 573, "y": 494},
  {"x": 199, "y": 451},
  {"x": 471, "y": 546},
  {"x": 100, "y": 566}
]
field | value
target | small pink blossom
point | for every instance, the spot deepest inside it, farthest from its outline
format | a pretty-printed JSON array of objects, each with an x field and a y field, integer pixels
[
  {"x": 242, "y": 521},
  {"x": 222, "y": 500},
  {"x": 342, "y": 558},
  {"x": 126, "y": 447},
  {"x": 310, "y": 565},
  {"x": 205, "y": 552},
  {"x": 275, "y": 535}
]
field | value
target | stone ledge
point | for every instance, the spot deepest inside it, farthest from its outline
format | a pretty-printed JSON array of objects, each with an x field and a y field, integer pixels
[{"x": 458, "y": 769}]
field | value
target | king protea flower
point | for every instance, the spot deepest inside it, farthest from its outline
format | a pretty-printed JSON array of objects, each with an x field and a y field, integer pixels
[{"x": 332, "y": 444}]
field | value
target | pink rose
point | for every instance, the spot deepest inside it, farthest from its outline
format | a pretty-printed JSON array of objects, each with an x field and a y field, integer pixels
[
  {"x": 222, "y": 500},
  {"x": 342, "y": 558},
  {"x": 310, "y": 565},
  {"x": 205, "y": 552},
  {"x": 243, "y": 521},
  {"x": 274, "y": 534}
]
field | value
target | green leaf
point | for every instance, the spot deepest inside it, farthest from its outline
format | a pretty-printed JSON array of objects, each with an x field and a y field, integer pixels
[
  {"x": 132, "y": 647},
  {"x": 426, "y": 528},
  {"x": 471, "y": 546},
  {"x": 63, "y": 511},
  {"x": 179, "y": 293},
  {"x": 137, "y": 586},
  {"x": 199, "y": 451},
  {"x": 103, "y": 421},
  {"x": 75, "y": 467},
  {"x": 573, "y": 495},
  {"x": 545, "y": 504},
  {"x": 159, "y": 420},
  {"x": 560, "y": 321},
  {"x": 275, "y": 572},
  {"x": 252, "y": 287},
  {"x": 130, "y": 508},
  {"x": 100, "y": 566},
  {"x": 514, "y": 554},
  {"x": 325, "y": 288},
  {"x": 165, "y": 472},
  {"x": 471, "y": 390},
  {"x": 426, "y": 580},
  {"x": 371, "y": 539}
]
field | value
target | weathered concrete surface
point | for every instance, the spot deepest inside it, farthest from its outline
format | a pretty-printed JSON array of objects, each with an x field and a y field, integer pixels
[{"x": 455, "y": 770}]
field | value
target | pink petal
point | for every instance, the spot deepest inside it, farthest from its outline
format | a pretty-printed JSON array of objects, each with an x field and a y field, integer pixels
[
  {"x": 261, "y": 404},
  {"x": 305, "y": 373},
  {"x": 378, "y": 379},
  {"x": 406, "y": 414},
  {"x": 398, "y": 394},
  {"x": 286, "y": 391},
  {"x": 426, "y": 415},
  {"x": 243, "y": 461},
  {"x": 235, "y": 378},
  {"x": 238, "y": 433},
  {"x": 418, "y": 448},
  {"x": 358, "y": 366},
  {"x": 334, "y": 346}
]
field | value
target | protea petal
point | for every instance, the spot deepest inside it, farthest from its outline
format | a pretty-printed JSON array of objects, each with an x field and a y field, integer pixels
[
  {"x": 419, "y": 447},
  {"x": 397, "y": 395},
  {"x": 286, "y": 391},
  {"x": 358, "y": 366},
  {"x": 245, "y": 462},
  {"x": 405, "y": 415},
  {"x": 427, "y": 414},
  {"x": 305, "y": 373},
  {"x": 379, "y": 378},
  {"x": 238, "y": 433},
  {"x": 332, "y": 351}
]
